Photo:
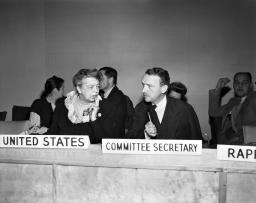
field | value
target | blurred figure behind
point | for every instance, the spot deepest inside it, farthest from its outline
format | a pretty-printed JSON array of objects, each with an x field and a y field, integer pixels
[
  {"x": 238, "y": 112},
  {"x": 178, "y": 90}
]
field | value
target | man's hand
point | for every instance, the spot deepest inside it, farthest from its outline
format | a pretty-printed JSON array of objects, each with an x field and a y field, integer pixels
[
  {"x": 150, "y": 129},
  {"x": 222, "y": 82}
]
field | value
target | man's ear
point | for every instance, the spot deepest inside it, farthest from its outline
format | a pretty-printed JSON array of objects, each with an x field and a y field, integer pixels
[
  {"x": 251, "y": 86},
  {"x": 111, "y": 80},
  {"x": 164, "y": 89}
]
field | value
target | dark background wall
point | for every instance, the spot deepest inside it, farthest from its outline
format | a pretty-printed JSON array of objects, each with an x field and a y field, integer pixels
[{"x": 196, "y": 41}]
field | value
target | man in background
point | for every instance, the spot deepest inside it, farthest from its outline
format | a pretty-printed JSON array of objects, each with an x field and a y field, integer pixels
[
  {"x": 118, "y": 107},
  {"x": 238, "y": 112},
  {"x": 159, "y": 116}
]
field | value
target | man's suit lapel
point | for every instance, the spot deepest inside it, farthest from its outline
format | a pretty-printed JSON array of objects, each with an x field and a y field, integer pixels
[{"x": 229, "y": 106}]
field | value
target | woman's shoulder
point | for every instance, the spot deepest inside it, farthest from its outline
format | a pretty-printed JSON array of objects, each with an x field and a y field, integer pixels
[
  {"x": 39, "y": 102},
  {"x": 60, "y": 102}
]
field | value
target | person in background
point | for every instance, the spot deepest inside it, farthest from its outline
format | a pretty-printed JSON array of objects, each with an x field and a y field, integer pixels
[
  {"x": 160, "y": 116},
  {"x": 119, "y": 107},
  {"x": 238, "y": 112},
  {"x": 42, "y": 109},
  {"x": 178, "y": 90}
]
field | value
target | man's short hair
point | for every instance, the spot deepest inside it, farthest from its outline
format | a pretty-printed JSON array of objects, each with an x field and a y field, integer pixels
[
  {"x": 160, "y": 72},
  {"x": 110, "y": 72},
  {"x": 248, "y": 74}
]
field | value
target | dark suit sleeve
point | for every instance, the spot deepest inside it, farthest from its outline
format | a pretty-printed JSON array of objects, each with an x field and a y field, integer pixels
[
  {"x": 215, "y": 108},
  {"x": 139, "y": 120},
  {"x": 188, "y": 125}
]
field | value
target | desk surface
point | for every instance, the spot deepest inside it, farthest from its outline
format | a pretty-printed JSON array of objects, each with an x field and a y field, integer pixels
[{"x": 93, "y": 157}]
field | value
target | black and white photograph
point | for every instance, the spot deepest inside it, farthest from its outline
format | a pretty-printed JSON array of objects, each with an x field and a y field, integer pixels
[{"x": 127, "y": 101}]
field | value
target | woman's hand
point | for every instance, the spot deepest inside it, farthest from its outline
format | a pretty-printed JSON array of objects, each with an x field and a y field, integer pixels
[
  {"x": 94, "y": 112},
  {"x": 37, "y": 130}
]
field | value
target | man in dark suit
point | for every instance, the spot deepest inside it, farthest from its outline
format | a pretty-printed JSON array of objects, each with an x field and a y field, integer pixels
[
  {"x": 238, "y": 112},
  {"x": 114, "y": 104},
  {"x": 161, "y": 117}
]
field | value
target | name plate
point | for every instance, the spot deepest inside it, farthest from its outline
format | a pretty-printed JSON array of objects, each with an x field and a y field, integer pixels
[
  {"x": 44, "y": 141},
  {"x": 236, "y": 153},
  {"x": 141, "y": 146}
]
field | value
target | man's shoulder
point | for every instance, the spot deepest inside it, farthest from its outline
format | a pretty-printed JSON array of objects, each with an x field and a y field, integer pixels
[
  {"x": 115, "y": 93},
  {"x": 252, "y": 98},
  {"x": 116, "y": 96},
  {"x": 142, "y": 106},
  {"x": 253, "y": 95}
]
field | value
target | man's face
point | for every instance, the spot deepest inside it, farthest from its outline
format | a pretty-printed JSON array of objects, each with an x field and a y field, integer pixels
[
  {"x": 242, "y": 85},
  {"x": 89, "y": 89},
  {"x": 152, "y": 88},
  {"x": 105, "y": 81}
]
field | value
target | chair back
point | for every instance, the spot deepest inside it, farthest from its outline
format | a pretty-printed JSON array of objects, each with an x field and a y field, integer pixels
[
  {"x": 3, "y": 115},
  {"x": 20, "y": 113}
]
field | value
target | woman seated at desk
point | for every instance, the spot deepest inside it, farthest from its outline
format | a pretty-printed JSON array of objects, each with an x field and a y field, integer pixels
[
  {"x": 42, "y": 109},
  {"x": 81, "y": 113}
]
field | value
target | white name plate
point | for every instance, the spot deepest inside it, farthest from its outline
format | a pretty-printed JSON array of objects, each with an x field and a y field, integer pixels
[
  {"x": 141, "y": 146},
  {"x": 236, "y": 153},
  {"x": 44, "y": 141}
]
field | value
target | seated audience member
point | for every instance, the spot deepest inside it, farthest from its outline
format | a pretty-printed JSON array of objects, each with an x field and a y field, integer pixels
[
  {"x": 81, "y": 112},
  {"x": 160, "y": 116},
  {"x": 119, "y": 107},
  {"x": 178, "y": 90},
  {"x": 238, "y": 112},
  {"x": 42, "y": 109}
]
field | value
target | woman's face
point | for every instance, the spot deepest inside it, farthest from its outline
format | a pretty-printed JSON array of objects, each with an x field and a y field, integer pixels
[
  {"x": 89, "y": 89},
  {"x": 58, "y": 93},
  {"x": 61, "y": 91}
]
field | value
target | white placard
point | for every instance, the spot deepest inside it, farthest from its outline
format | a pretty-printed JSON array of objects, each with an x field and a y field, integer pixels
[
  {"x": 141, "y": 146},
  {"x": 44, "y": 141},
  {"x": 236, "y": 153}
]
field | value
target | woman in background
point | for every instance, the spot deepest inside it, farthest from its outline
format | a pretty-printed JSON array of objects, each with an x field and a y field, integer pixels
[
  {"x": 78, "y": 113},
  {"x": 178, "y": 90},
  {"x": 42, "y": 109}
]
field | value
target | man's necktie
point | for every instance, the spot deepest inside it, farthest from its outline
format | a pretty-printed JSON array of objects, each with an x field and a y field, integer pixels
[{"x": 154, "y": 116}]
